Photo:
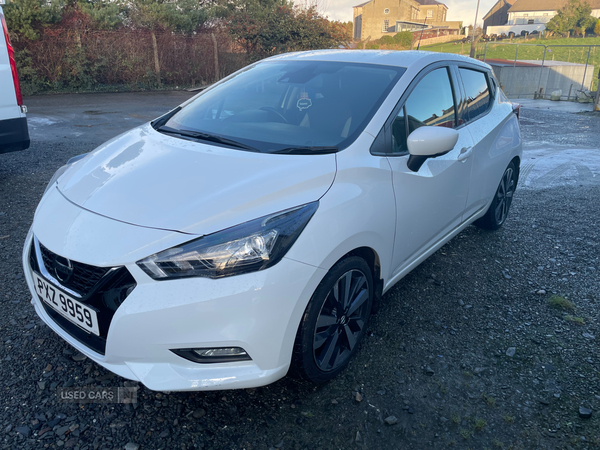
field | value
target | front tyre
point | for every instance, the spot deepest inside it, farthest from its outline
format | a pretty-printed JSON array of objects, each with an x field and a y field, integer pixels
[
  {"x": 498, "y": 210},
  {"x": 334, "y": 321}
]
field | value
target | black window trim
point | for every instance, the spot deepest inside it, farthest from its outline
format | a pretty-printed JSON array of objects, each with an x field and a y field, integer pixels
[
  {"x": 492, "y": 91},
  {"x": 448, "y": 65}
]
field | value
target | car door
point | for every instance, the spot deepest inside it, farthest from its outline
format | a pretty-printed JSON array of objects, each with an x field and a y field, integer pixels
[
  {"x": 494, "y": 130},
  {"x": 430, "y": 202}
]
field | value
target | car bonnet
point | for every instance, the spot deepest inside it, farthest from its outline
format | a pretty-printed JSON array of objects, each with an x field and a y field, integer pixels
[{"x": 149, "y": 179}]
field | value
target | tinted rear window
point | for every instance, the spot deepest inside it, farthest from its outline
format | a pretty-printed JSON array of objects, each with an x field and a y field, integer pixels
[{"x": 477, "y": 90}]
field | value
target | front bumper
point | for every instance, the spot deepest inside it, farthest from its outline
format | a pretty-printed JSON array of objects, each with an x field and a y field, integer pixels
[{"x": 259, "y": 312}]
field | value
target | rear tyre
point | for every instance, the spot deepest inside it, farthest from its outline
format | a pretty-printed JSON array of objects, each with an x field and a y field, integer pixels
[
  {"x": 334, "y": 321},
  {"x": 498, "y": 210}
]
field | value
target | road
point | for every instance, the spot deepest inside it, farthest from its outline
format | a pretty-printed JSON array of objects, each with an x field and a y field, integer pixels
[{"x": 466, "y": 352}]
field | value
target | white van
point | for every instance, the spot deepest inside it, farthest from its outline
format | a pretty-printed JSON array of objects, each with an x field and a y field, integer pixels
[{"x": 14, "y": 134}]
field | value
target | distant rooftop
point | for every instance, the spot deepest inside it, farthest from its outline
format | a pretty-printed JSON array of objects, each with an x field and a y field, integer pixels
[
  {"x": 546, "y": 5},
  {"x": 421, "y": 2},
  {"x": 429, "y": 2}
]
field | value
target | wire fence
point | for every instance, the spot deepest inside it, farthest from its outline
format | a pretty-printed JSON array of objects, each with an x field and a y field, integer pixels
[
  {"x": 569, "y": 72},
  {"x": 72, "y": 59}
]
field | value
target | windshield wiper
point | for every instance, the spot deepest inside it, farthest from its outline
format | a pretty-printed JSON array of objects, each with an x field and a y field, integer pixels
[
  {"x": 307, "y": 150},
  {"x": 198, "y": 135}
]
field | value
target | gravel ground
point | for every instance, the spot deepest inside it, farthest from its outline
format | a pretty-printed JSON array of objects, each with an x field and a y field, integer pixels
[{"x": 490, "y": 343}]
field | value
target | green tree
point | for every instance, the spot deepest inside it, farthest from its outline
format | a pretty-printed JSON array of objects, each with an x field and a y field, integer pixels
[
  {"x": 26, "y": 18},
  {"x": 185, "y": 16},
  {"x": 268, "y": 27},
  {"x": 575, "y": 16},
  {"x": 349, "y": 29},
  {"x": 597, "y": 28},
  {"x": 105, "y": 15}
]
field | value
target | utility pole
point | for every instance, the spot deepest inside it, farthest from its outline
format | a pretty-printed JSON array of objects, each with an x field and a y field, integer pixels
[
  {"x": 472, "y": 54},
  {"x": 423, "y": 29}
]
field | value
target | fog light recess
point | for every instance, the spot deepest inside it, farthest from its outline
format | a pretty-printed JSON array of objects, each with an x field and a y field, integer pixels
[{"x": 213, "y": 355}]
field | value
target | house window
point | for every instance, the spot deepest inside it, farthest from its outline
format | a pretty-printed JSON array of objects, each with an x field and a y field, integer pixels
[
  {"x": 386, "y": 11},
  {"x": 386, "y": 26},
  {"x": 429, "y": 13},
  {"x": 530, "y": 22}
]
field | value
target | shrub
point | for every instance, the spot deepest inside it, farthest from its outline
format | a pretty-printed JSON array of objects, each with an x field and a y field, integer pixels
[
  {"x": 387, "y": 40},
  {"x": 404, "y": 38}
]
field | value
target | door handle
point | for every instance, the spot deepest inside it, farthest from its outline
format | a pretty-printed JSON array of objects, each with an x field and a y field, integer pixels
[{"x": 465, "y": 152}]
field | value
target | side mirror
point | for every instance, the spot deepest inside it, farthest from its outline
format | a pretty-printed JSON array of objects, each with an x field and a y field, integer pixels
[{"x": 429, "y": 142}]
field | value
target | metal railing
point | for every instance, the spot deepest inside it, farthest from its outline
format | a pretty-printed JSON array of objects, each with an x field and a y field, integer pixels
[{"x": 569, "y": 74}]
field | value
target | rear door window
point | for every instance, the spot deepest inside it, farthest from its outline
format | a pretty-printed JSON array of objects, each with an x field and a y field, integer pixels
[{"x": 477, "y": 92}]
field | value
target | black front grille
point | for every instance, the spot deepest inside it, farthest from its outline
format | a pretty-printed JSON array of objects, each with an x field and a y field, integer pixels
[
  {"x": 104, "y": 293},
  {"x": 84, "y": 277}
]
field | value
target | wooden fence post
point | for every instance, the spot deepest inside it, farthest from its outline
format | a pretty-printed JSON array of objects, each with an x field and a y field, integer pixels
[
  {"x": 156, "y": 63},
  {"x": 216, "y": 52}
]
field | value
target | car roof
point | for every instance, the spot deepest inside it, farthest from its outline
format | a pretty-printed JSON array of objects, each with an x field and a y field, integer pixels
[{"x": 403, "y": 58}]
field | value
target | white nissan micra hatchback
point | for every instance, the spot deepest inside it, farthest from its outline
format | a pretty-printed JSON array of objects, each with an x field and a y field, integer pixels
[{"x": 248, "y": 232}]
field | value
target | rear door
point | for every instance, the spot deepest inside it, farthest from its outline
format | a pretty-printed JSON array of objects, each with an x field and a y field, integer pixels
[{"x": 493, "y": 128}]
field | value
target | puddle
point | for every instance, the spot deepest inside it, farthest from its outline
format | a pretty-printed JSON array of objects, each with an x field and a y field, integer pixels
[
  {"x": 98, "y": 113},
  {"x": 545, "y": 168},
  {"x": 39, "y": 121}
]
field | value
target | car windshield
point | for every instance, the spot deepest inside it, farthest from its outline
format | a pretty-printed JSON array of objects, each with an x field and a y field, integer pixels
[{"x": 302, "y": 107}]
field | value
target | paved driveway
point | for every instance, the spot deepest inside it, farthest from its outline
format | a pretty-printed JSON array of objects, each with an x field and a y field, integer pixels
[{"x": 467, "y": 351}]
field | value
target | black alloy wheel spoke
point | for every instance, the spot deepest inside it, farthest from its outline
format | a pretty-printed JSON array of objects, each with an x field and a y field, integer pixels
[
  {"x": 350, "y": 337},
  {"x": 330, "y": 348},
  {"x": 360, "y": 300},
  {"x": 347, "y": 284},
  {"x": 325, "y": 321},
  {"x": 335, "y": 294}
]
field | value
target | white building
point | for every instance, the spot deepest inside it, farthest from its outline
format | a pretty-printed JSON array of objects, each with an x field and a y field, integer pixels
[{"x": 533, "y": 15}]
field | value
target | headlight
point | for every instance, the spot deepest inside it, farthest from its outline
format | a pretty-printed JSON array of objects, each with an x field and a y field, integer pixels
[
  {"x": 62, "y": 170},
  {"x": 248, "y": 247}
]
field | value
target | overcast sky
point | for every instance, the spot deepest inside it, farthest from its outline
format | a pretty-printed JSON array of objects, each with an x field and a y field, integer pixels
[{"x": 457, "y": 9}]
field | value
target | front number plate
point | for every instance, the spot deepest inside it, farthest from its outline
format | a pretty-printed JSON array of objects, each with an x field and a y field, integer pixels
[{"x": 78, "y": 313}]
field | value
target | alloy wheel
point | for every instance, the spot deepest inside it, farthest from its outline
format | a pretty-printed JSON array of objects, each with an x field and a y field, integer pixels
[
  {"x": 341, "y": 320},
  {"x": 504, "y": 195}
]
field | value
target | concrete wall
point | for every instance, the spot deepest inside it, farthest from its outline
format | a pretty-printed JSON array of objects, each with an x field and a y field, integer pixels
[
  {"x": 446, "y": 24},
  {"x": 523, "y": 82},
  {"x": 515, "y": 29},
  {"x": 436, "y": 40}
]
